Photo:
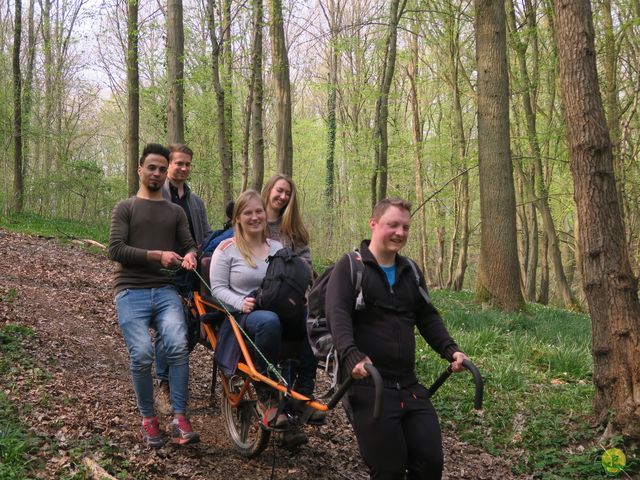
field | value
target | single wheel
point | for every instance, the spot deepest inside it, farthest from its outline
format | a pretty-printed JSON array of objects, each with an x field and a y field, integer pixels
[{"x": 241, "y": 417}]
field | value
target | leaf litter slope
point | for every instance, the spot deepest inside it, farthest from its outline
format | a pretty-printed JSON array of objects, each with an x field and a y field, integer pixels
[{"x": 78, "y": 395}]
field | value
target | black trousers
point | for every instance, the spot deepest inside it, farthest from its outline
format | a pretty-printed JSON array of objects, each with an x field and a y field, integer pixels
[{"x": 405, "y": 442}]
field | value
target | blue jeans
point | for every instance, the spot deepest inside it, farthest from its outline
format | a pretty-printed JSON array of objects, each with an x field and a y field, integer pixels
[
  {"x": 138, "y": 309},
  {"x": 264, "y": 328}
]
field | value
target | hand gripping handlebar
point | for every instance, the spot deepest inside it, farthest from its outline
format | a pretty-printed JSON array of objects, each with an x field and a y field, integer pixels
[
  {"x": 377, "y": 383},
  {"x": 477, "y": 379}
]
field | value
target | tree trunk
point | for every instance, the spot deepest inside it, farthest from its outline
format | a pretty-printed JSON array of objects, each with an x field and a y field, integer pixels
[
  {"x": 416, "y": 124},
  {"x": 47, "y": 154},
  {"x": 610, "y": 287},
  {"x": 333, "y": 16},
  {"x": 18, "y": 184},
  {"x": 532, "y": 256},
  {"x": 499, "y": 273},
  {"x": 460, "y": 147},
  {"x": 380, "y": 137},
  {"x": 246, "y": 134},
  {"x": 223, "y": 140},
  {"x": 27, "y": 92},
  {"x": 612, "y": 103},
  {"x": 256, "y": 105},
  {"x": 175, "y": 71},
  {"x": 541, "y": 194},
  {"x": 227, "y": 82},
  {"x": 133, "y": 97},
  {"x": 543, "y": 294},
  {"x": 280, "y": 61}
]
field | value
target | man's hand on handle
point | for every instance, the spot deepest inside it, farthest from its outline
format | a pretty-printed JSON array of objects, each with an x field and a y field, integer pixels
[
  {"x": 358, "y": 371},
  {"x": 458, "y": 358}
]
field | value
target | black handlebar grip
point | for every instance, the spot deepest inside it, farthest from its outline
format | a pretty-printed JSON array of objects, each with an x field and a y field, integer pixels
[
  {"x": 377, "y": 383},
  {"x": 477, "y": 379}
]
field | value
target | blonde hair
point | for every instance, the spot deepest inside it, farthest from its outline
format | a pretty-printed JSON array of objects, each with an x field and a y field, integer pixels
[
  {"x": 384, "y": 204},
  {"x": 238, "y": 233},
  {"x": 292, "y": 225}
]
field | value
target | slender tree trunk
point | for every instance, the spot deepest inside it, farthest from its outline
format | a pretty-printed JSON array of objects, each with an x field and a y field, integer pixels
[
  {"x": 610, "y": 287},
  {"x": 543, "y": 294},
  {"x": 223, "y": 140},
  {"x": 27, "y": 92},
  {"x": 45, "y": 8},
  {"x": 227, "y": 82},
  {"x": 459, "y": 141},
  {"x": 416, "y": 124},
  {"x": 175, "y": 71},
  {"x": 133, "y": 97},
  {"x": 380, "y": 139},
  {"x": 257, "y": 134},
  {"x": 439, "y": 275},
  {"x": 246, "y": 134},
  {"x": 532, "y": 256},
  {"x": 499, "y": 274},
  {"x": 18, "y": 183},
  {"x": 280, "y": 60},
  {"x": 612, "y": 103},
  {"x": 332, "y": 14}
]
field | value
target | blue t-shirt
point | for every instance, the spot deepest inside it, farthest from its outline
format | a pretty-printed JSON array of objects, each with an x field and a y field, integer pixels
[{"x": 390, "y": 272}]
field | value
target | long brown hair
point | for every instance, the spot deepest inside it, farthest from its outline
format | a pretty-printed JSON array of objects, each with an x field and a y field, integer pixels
[
  {"x": 292, "y": 225},
  {"x": 238, "y": 233}
]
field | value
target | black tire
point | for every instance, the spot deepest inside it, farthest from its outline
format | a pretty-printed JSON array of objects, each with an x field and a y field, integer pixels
[{"x": 248, "y": 437}]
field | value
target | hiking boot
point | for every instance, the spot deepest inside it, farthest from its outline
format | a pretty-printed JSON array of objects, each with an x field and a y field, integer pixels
[
  {"x": 151, "y": 434},
  {"x": 269, "y": 416},
  {"x": 182, "y": 433},
  {"x": 294, "y": 438},
  {"x": 318, "y": 417},
  {"x": 162, "y": 398}
]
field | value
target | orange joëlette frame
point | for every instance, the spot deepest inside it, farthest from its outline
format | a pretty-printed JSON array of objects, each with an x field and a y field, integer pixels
[{"x": 246, "y": 364}]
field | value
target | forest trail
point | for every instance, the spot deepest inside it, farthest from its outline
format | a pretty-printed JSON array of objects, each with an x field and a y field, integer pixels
[{"x": 85, "y": 405}]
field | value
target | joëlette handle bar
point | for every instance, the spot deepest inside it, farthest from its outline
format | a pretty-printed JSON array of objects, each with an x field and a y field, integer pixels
[
  {"x": 377, "y": 384},
  {"x": 477, "y": 379}
]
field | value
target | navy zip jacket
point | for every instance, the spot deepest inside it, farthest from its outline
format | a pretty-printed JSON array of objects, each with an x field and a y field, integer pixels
[{"x": 385, "y": 329}]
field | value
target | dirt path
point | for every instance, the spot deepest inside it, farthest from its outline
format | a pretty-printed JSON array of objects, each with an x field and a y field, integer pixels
[{"x": 79, "y": 397}]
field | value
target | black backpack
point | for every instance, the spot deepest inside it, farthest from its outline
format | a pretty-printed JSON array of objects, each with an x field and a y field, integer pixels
[
  {"x": 317, "y": 328},
  {"x": 284, "y": 289}
]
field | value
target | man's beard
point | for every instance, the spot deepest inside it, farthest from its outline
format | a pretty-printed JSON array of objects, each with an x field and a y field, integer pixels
[{"x": 154, "y": 187}]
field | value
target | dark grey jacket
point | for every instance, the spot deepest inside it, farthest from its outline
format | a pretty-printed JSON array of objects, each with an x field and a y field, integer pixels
[{"x": 201, "y": 228}]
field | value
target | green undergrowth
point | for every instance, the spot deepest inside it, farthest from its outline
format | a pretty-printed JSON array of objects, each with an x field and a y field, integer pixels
[
  {"x": 537, "y": 370},
  {"x": 22, "y": 450},
  {"x": 59, "y": 228},
  {"x": 16, "y": 445}
]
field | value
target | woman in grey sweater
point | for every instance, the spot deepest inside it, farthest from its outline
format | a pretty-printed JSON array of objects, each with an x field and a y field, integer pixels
[{"x": 238, "y": 266}]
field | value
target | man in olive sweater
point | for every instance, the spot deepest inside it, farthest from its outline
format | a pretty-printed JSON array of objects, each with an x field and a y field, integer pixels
[
  {"x": 144, "y": 232},
  {"x": 405, "y": 442}
]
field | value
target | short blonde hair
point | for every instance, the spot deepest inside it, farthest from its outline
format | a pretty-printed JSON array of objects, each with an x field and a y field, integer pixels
[{"x": 384, "y": 204}]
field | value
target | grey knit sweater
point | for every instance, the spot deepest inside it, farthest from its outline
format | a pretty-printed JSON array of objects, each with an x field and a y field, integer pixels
[{"x": 232, "y": 279}]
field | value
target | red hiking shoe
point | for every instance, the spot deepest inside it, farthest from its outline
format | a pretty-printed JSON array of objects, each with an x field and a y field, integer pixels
[
  {"x": 182, "y": 433},
  {"x": 151, "y": 434}
]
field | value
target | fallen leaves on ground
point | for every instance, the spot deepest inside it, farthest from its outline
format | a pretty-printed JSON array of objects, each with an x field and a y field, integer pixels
[{"x": 77, "y": 396}]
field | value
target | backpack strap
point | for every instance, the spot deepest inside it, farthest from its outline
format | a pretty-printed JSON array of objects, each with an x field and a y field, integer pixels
[
  {"x": 416, "y": 274},
  {"x": 357, "y": 272}
]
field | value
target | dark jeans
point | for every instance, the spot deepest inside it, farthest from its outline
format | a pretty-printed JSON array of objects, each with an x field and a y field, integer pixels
[
  {"x": 300, "y": 374},
  {"x": 405, "y": 442}
]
